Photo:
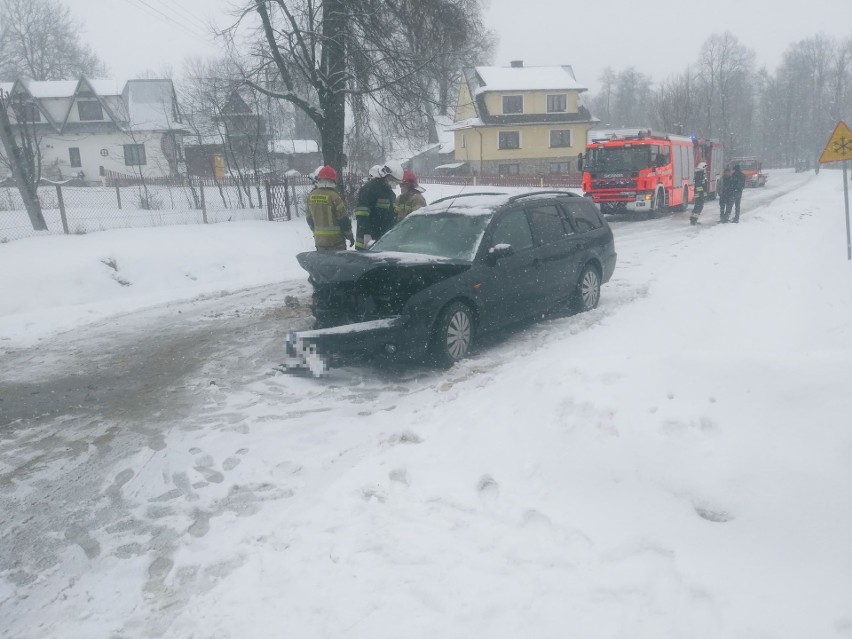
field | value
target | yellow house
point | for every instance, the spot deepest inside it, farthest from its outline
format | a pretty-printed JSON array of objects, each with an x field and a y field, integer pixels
[{"x": 520, "y": 120}]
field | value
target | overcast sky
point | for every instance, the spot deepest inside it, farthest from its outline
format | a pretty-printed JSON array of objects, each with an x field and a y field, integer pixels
[{"x": 135, "y": 35}]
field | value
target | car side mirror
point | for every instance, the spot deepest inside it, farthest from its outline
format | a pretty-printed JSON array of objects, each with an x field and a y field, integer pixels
[{"x": 499, "y": 251}]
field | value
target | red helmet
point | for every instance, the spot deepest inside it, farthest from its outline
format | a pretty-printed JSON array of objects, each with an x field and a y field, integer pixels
[
  {"x": 327, "y": 173},
  {"x": 409, "y": 178}
]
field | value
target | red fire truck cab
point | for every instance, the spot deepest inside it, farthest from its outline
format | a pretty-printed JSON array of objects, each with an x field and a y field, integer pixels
[
  {"x": 752, "y": 168},
  {"x": 639, "y": 171}
]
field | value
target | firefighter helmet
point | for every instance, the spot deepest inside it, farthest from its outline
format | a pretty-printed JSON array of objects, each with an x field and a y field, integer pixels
[
  {"x": 702, "y": 166},
  {"x": 375, "y": 171},
  {"x": 327, "y": 173},
  {"x": 393, "y": 170}
]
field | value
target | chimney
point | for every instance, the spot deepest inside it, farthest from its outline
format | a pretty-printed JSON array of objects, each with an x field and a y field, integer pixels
[{"x": 517, "y": 64}]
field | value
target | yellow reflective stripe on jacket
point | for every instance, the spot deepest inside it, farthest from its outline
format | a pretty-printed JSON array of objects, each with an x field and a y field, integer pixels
[
  {"x": 362, "y": 212},
  {"x": 327, "y": 230},
  {"x": 318, "y": 199}
]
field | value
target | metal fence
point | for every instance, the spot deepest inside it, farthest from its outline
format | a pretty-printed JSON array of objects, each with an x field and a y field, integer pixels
[{"x": 128, "y": 203}]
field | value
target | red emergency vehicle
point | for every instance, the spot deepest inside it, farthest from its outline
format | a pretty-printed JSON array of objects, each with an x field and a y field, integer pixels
[
  {"x": 639, "y": 170},
  {"x": 710, "y": 152},
  {"x": 752, "y": 169}
]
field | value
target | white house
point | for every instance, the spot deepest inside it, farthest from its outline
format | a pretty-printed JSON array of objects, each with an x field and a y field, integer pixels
[{"x": 87, "y": 128}]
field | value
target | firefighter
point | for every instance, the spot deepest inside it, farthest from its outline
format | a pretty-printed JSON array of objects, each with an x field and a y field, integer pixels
[
  {"x": 737, "y": 186},
  {"x": 700, "y": 191},
  {"x": 374, "y": 212},
  {"x": 723, "y": 185},
  {"x": 411, "y": 198},
  {"x": 327, "y": 215}
]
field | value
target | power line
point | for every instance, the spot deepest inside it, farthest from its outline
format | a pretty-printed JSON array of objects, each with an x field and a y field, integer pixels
[
  {"x": 182, "y": 14},
  {"x": 172, "y": 20},
  {"x": 161, "y": 16}
]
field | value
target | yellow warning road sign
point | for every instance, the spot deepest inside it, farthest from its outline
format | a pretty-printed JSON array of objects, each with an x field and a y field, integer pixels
[{"x": 839, "y": 146}]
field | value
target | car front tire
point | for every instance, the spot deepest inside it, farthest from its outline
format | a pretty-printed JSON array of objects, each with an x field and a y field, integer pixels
[{"x": 453, "y": 335}]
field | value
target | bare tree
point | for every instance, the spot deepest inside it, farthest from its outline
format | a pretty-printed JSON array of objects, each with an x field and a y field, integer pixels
[
  {"x": 725, "y": 71},
  {"x": 327, "y": 52},
  {"x": 21, "y": 152},
  {"x": 39, "y": 39},
  {"x": 675, "y": 107}
]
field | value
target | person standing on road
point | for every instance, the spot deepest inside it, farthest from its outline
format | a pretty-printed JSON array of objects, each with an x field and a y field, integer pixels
[
  {"x": 723, "y": 187},
  {"x": 700, "y": 190},
  {"x": 326, "y": 213},
  {"x": 737, "y": 181},
  {"x": 411, "y": 198},
  {"x": 374, "y": 212}
]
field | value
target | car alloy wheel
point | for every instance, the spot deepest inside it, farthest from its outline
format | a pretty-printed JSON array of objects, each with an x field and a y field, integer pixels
[{"x": 588, "y": 289}]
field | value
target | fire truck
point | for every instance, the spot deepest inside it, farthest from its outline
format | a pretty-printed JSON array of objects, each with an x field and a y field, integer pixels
[
  {"x": 710, "y": 152},
  {"x": 751, "y": 167},
  {"x": 632, "y": 170}
]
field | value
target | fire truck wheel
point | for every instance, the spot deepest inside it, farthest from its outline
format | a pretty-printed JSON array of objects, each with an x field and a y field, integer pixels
[{"x": 659, "y": 206}]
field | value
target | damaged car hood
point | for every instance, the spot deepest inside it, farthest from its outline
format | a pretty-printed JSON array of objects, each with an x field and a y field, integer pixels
[{"x": 365, "y": 267}]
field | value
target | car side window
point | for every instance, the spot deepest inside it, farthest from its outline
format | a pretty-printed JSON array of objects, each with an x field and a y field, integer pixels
[
  {"x": 546, "y": 223},
  {"x": 585, "y": 217},
  {"x": 513, "y": 228}
]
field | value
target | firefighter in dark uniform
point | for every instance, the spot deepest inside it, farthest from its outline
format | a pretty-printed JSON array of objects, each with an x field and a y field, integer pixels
[
  {"x": 327, "y": 215},
  {"x": 700, "y": 191},
  {"x": 723, "y": 185},
  {"x": 737, "y": 186},
  {"x": 374, "y": 211},
  {"x": 411, "y": 198}
]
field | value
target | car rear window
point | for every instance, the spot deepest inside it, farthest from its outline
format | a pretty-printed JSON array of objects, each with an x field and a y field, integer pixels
[
  {"x": 585, "y": 216},
  {"x": 546, "y": 223}
]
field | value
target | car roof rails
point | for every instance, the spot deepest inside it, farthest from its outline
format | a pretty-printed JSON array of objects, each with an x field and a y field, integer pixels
[
  {"x": 519, "y": 196},
  {"x": 458, "y": 195}
]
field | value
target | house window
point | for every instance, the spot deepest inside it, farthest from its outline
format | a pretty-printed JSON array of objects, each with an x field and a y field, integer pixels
[
  {"x": 509, "y": 140},
  {"x": 463, "y": 142},
  {"x": 513, "y": 104},
  {"x": 560, "y": 137},
  {"x": 509, "y": 169},
  {"x": 557, "y": 103},
  {"x": 134, "y": 154},
  {"x": 90, "y": 110},
  {"x": 74, "y": 156},
  {"x": 558, "y": 168}
]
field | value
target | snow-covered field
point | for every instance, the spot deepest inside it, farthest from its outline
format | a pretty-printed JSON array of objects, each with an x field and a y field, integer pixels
[{"x": 676, "y": 463}]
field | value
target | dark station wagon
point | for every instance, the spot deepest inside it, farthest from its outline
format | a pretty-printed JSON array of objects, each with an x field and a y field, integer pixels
[{"x": 452, "y": 271}]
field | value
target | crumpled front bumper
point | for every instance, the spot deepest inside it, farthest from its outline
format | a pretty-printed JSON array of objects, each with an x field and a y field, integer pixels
[{"x": 318, "y": 350}]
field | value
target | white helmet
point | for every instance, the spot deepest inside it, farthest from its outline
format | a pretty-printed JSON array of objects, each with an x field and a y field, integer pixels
[
  {"x": 314, "y": 174},
  {"x": 375, "y": 171},
  {"x": 392, "y": 169},
  {"x": 702, "y": 166}
]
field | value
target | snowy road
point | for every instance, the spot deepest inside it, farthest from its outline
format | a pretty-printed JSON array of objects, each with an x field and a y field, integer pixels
[{"x": 126, "y": 443}]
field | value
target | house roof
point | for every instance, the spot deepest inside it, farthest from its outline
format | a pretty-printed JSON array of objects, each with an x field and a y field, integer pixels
[
  {"x": 138, "y": 104},
  {"x": 482, "y": 80},
  {"x": 553, "y": 78}
]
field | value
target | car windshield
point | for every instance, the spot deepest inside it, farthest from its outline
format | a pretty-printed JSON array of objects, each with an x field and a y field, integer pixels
[
  {"x": 446, "y": 234},
  {"x": 618, "y": 159}
]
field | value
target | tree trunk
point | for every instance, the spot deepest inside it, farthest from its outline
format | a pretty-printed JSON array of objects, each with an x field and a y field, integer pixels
[
  {"x": 332, "y": 96},
  {"x": 29, "y": 193}
]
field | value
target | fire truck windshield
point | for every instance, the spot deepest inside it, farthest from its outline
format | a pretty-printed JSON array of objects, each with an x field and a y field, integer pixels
[{"x": 618, "y": 159}]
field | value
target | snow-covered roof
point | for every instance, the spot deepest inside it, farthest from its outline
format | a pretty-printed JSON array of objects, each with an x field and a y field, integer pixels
[
  {"x": 528, "y": 79},
  {"x": 293, "y": 146},
  {"x": 108, "y": 87},
  {"x": 51, "y": 88},
  {"x": 466, "y": 124},
  {"x": 451, "y": 165}
]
